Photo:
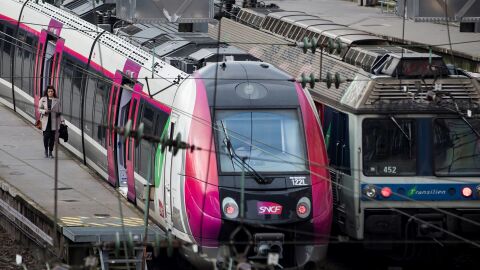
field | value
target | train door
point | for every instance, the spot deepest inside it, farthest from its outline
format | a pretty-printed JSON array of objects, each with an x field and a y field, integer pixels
[
  {"x": 124, "y": 115},
  {"x": 130, "y": 143},
  {"x": 169, "y": 173},
  {"x": 47, "y": 65},
  {"x": 111, "y": 122}
]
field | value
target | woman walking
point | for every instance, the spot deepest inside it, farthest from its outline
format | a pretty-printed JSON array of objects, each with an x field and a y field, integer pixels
[{"x": 50, "y": 109}]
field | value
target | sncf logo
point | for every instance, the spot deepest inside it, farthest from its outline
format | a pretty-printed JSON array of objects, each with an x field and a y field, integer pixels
[{"x": 269, "y": 208}]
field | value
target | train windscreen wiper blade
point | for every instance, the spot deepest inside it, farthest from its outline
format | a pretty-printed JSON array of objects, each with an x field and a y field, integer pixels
[
  {"x": 470, "y": 125},
  {"x": 228, "y": 144},
  {"x": 233, "y": 156},
  {"x": 457, "y": 110},
  {"x": 394, "y": 120}
]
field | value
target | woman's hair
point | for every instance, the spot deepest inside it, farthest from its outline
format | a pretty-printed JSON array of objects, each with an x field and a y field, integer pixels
[{"x": 45, "y": 94}]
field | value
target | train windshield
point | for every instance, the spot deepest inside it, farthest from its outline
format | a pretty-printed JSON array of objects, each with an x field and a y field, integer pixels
[
  {"x": 456, "y": 147},
  {"x": 389, "y": 147},
  {"x": 268, "y": 140}
]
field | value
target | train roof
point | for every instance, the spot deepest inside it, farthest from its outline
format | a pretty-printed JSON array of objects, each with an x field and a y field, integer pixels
[{"x": 268, "y": 85}]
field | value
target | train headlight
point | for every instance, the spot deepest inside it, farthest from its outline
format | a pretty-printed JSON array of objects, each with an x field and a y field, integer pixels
[
  {"x": 304, "y": 207},
  {"x": 370, "y": 191},
  {"x": 467, "y": 192},
  {"x": 230, "y": 208}
]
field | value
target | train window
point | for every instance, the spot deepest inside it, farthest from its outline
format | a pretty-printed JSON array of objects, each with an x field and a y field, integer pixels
[
  {"x": 89, "y": 106},
  {"x": 18, "y": 47},
  {"x": 389, "y": 147},
  {"x": 146, "y": 147},
  {"x": 456, "y": 147},
  {"x": 2, "y": 37},
  {"x": 7, "y": 51},
  {"x": 134, "y": 109},
  {"x": 100, "y": 111},
  {"x": 67, "y": 89},
  {"x": 28, "y": 63},
  {"x": 76, "y": 96},
  {"x": 270, "y": 140},
  {"x": 337, "y": 139}
]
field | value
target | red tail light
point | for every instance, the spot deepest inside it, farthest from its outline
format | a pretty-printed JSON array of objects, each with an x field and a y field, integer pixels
[
  {"x": 386, "y": 192},
  {"x": 303, "y": 207},
  {"x": 230, "y": 208},
  {"x": 467, "y": 192}
]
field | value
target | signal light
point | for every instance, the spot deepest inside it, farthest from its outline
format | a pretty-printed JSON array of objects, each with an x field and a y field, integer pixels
[
  {"x": 386, "y": 192},
  {"x": 230, "y": 208},
  {"x": 303, "y": 207},
  {"x": 467, "y": 192}
]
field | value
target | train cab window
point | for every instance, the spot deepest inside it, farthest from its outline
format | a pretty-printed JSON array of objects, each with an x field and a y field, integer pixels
[
  {"x": 389, "y": 147},
  {"x": 456, "y": 147},
  {"x": 336, "y": 132},
  {"x": 270, "y": 140}
]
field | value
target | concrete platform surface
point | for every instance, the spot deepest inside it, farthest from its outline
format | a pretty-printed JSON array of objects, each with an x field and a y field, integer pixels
[{"x": 84, "y": 200}]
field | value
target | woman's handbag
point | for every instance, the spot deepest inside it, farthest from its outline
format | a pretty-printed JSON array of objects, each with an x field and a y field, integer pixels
[
  {"x": 63, "y": 132},
  {"x": 38, "y": 124}
]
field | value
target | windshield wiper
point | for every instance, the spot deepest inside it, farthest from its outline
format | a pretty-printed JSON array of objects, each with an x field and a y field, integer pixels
[
  {"x": 457, "y": 110},
  {"x": 228, "y": 144},
  {"x": 234, "y": 157},
  {"x": 394, "y": 120}
]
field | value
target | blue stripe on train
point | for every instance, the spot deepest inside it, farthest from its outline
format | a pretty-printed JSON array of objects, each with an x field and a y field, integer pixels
[{"x": 424, "y": 192}]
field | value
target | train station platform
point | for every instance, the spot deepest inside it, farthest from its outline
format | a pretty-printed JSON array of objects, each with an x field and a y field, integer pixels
[
  {"x": 88, "y": 207},
  {"x": 390, "y": 26}
]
